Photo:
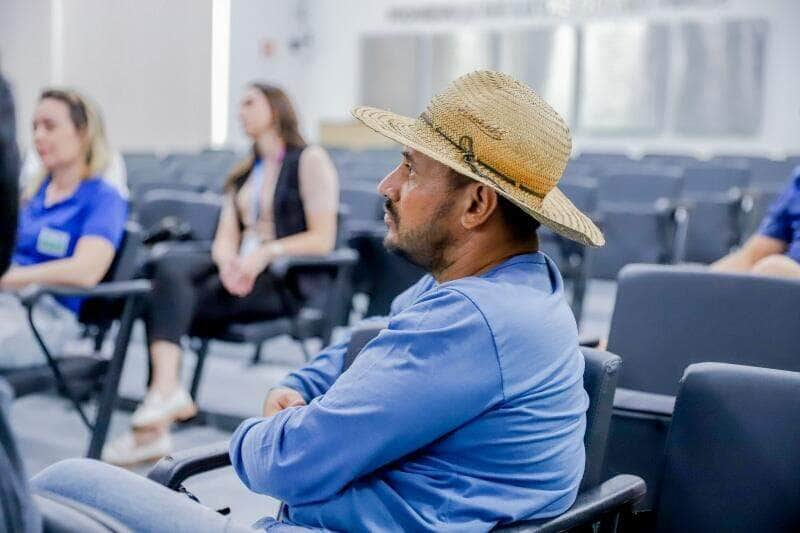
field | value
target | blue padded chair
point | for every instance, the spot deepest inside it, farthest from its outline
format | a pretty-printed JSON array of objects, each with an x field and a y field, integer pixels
[
  {"x": 712, "y": 196},
  {"x": 197, "y": 213},
  {"x": 641, "y": 219},
  {"x": 667, "y": 318},
  {"x": 732, "y": 459},
  {"x": 142, "y": 167}
]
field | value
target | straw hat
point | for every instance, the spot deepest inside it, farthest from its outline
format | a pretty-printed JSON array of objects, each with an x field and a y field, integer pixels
[{"x": 493, "y": 129}]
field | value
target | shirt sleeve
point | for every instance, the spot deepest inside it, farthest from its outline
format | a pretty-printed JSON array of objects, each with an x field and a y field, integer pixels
[
  {"x": 777, "y": 223},
  {"x": 433, "y": 369},
  {"x": 319, "y": 181},
  {"x": 317, "y": 377},
  {"x": 106, "y": 217}
]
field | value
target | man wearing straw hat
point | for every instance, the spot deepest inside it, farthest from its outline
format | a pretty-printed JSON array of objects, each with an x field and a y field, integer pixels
[{"x": 468, "y": 409}]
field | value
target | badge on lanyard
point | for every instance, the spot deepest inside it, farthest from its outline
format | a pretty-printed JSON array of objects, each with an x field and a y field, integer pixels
[{"x": 52, "y": 242}]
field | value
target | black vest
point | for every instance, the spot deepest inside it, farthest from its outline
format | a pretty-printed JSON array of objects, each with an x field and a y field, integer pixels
[
  {"x": 287, "y": 204},
  {"x": 289, "y": 218}
]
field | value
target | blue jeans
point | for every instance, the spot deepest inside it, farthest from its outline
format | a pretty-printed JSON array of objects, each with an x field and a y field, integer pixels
[{"x": 133, "y": 500}]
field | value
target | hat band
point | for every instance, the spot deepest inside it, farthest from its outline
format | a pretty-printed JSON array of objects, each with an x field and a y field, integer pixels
[{"x": 465, "y": 146}]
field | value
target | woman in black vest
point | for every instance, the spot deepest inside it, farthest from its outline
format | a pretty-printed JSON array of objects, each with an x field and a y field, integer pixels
[{"x": 282, "y": 200}]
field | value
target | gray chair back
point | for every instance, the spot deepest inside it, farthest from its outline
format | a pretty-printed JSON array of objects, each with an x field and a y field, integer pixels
[
  {"x": 200, "y": 210},
  {"x": 702, "y": 180},
  {"x": 733, "y": 452},
  {"x": 666, "y": 318},
  {"x": 637, "y": 188}
]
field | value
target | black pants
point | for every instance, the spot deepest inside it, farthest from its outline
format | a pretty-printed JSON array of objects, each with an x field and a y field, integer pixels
[{"x": 188, "y": 297}]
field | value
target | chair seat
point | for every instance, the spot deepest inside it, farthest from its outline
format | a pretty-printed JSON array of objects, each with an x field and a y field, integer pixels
[
  {"x": 307, "y": 324},
  {"x": 77, "y": 370}
]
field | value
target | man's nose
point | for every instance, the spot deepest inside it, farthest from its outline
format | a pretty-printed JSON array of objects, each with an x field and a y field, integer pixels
[{"x": 388, "y": 185}]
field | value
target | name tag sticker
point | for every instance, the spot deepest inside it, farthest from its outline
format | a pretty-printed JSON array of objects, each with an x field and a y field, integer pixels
[{"x": 52, "y": 242}]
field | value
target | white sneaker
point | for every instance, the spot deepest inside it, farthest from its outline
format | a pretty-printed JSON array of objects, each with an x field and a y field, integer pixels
[
  {"x": 157, "y": 410},
  {"x": 125, "y": 451}
]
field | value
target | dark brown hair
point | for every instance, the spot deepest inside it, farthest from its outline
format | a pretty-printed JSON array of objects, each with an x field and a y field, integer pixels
[{"x": 285, "y": 119}]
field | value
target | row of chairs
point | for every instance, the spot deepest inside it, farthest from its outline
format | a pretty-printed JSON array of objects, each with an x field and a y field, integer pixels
[{"x": 667, "y": 318}]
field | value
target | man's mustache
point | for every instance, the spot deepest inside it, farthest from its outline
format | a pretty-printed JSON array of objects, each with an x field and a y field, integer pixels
[{"x": 389, "y": 207}]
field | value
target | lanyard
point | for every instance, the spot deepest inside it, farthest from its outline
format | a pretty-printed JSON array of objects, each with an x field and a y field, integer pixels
[{"x": 258, "y": 175}]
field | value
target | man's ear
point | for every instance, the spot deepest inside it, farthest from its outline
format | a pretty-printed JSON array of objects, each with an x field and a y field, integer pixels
[{"x": 481, "y": 202}]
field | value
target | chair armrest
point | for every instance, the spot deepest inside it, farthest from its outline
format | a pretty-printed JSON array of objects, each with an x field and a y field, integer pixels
[
  {"x": 337, "y": 258},
  {"x": 645, "y": 403},
  {"x": 161, "y": 248},
  {"x": 175, "y": 468},
  {"x": 615, "y": 495},
  {"x": 113, "y": 289}
]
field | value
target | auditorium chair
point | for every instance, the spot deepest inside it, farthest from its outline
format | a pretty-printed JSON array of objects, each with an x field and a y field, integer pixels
[
  {"x": 181, "y": 214},
  {"x": 606, "y": 503},
  {"x": 116, "y": 299},
  {"x": 732, "y": 457},
  {"x": 712, "y": 196},
  {"x": 667, "y": 318},
  {"x": 642, "y": 221}
]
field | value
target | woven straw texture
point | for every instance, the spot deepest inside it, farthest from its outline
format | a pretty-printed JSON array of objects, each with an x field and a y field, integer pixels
[{"x": 492, "y": 128}]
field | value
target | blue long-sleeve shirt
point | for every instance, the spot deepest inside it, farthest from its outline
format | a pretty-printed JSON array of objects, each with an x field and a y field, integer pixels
[{"x": 468, "y": 410}]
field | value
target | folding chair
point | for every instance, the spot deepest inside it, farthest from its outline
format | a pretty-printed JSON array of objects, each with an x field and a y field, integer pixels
[{"x": 117, "y": 298}]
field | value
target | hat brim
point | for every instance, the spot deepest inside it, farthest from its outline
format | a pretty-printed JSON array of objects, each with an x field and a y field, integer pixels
[{"x": 554, "y": 211}]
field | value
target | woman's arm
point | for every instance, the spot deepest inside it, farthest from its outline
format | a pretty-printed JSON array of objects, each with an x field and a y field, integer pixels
[
  {"x": 227, "y": 238},
  {"x": 84, "y": 268},
  {"x": 755, "y": 249}
]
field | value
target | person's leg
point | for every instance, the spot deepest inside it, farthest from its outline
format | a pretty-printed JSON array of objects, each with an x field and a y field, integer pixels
[
  {"x": 133, "y": 500},
  {"x": 779, "y": 266},
  {"x": 216, "y": 307},
  {"x": 171, "y": 311}
]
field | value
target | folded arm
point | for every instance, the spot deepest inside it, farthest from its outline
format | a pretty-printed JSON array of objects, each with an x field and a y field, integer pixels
[{"x": 433, "y": 369}]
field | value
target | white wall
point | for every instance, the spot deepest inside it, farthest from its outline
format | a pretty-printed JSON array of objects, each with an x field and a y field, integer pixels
[
  {"x": 255, "y": 23},
  {"x": 146, "y": 63},
  {"x": 25, "y": 55},
  {"x": 338, "y": 26}
]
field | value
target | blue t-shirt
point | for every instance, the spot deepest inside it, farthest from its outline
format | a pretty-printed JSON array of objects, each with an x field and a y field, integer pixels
[
  {"x": 46, "y": 233},
  {"x": 466, "y": 411},
  {"x": 783, "y": 220}
]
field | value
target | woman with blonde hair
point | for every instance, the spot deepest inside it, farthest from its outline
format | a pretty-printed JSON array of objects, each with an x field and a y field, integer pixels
[{"x": 71, "y": 221}]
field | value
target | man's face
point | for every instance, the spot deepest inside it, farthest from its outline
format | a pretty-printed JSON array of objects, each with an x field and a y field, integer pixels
[{"x": 419, "y": 210}]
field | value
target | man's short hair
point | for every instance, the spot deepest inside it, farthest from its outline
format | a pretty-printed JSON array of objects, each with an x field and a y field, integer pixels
[{"x": 522, "y": 226}]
